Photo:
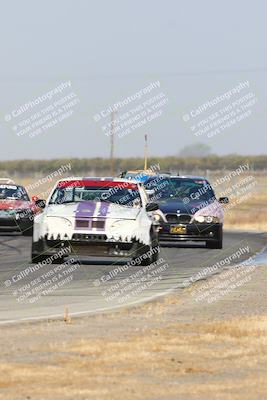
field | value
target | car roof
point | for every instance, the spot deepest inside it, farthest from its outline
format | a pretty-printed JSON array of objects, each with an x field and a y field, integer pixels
[
  {"x": 202, "y": 178},
  {"x": 99, "y": 178},
  {"x": 188, "y": 177}
]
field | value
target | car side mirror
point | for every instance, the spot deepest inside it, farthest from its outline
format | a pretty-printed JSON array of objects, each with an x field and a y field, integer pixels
[
  {"x": 40, "y": 203},
  {"x": 224, "y": 200},
  {"x": 152, "y": 207}
]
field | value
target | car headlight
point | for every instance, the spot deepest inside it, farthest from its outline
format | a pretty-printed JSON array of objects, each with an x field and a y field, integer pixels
[
  {"x": 121, "y": 223},
  {"x": 157, "y": 217},
  {"x": 122, "y": 227},
  {"x": 58, "y": 223},
  {"x": 12, "y": 211},
  {"x": 58, "y": 228},
  {"x": 208, "y": 219}
]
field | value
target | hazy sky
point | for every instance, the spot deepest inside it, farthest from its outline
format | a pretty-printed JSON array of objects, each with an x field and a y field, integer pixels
[{"x": 110, "y": 50}]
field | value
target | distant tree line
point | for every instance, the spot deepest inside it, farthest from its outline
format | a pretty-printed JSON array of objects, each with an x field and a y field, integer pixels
[{"x": 103, "y": 166}]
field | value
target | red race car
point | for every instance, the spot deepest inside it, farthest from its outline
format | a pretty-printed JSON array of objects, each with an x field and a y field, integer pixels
[{"x": 16, "y": 209}]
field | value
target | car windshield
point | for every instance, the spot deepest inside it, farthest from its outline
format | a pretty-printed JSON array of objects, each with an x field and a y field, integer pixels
[
  {"x": 12, "y": 192},
  {"x": 137, "y": 176},
  {"x": 181, "y": 188},
  {"x": 113, "y": 194}
]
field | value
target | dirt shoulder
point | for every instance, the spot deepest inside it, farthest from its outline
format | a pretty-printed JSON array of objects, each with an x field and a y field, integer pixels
[{"x": 207, "y": 342}]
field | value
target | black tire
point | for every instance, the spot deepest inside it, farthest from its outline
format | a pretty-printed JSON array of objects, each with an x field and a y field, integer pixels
[
  {"x": 39, "y": 255},
  {"x": 42, "y": 257},
  {"x": 59, "y": 260},
  {"x": 153, "y": 248},
  {"x": 216, "y": 244},
  {"x": 37, "y": 252},
  {"x": 28, "y": 231}
]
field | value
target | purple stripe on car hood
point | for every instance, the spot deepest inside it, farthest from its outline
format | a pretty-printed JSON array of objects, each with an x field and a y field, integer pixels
[
  {"x": 103, "y": 209},
  {"x": 85, "y": 209}
]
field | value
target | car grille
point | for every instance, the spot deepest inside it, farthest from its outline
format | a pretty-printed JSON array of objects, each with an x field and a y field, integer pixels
[
  {"x": 178, "y": 218},
  {"x": 81, "y": 223},
  {"x": 89, "y": 237},
  {"x": 98, "y": 224}
]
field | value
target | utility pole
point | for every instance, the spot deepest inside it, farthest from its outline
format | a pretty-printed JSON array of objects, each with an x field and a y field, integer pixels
[
  {"x": 112, "y": 143},
  {"x": 146, "y": 152}
]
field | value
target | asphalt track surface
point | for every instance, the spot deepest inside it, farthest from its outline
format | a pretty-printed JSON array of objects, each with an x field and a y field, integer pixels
[{"x": 96, "y": 285}]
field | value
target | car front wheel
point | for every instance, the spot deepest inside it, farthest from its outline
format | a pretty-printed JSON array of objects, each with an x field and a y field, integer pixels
[
  {"x": 216, "y": 244},
  {"x": 148, "y": 254},
  {"x": 39, "y": 255}
]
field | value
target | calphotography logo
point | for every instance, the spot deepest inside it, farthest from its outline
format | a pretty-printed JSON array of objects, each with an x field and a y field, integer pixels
[
  {"x": 43, "y": 112},
  {"x": 227, "y": 110},
  {"x": 133, "y": 112}
]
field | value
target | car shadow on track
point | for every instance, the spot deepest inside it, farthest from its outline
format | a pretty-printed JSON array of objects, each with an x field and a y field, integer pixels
[
  {"x": 181, "y": 245},
  {"x": 10, "y": 234},
  {"x": 88, "y": 261}
]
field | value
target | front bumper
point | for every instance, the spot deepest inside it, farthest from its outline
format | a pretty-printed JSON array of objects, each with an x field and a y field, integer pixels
[
  {"x": 192, "y": 232},
  {"x": 90, "y": 245},
  {"x": 10, "y": 224}
]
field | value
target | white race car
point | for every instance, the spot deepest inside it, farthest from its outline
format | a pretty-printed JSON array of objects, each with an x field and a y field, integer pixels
[{"x": 96, "y": 217}]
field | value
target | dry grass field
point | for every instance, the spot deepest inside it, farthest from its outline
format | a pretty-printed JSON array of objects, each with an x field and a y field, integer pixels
[
  {"x": 164, "y": 350},
  {"x": 191, "y": 361},
  {"x": 247, "y": 193}
]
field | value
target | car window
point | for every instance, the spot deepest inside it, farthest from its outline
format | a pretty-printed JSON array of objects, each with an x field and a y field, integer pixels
[
  {"x": 180, "y": 188},
  {"x": 13, "y": 192},
  {"x": 123, "y": 196}
]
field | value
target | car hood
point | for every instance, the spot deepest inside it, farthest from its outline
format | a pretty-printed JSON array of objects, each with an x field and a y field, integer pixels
[
  {"x": 92, "y": 209},
  {"x": 14, "y": 204},
  {"x": 171, "y": 206},
  {"x": 194, "y": 207}
]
